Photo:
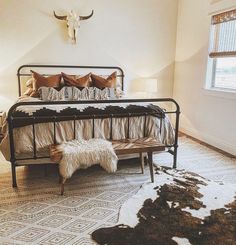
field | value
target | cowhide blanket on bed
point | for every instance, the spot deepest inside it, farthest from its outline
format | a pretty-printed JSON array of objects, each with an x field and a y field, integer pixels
[{"x": 179, "y": 208}]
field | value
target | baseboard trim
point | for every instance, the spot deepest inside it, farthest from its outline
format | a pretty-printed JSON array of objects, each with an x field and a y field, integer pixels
[{"x": 220, "y": 147}]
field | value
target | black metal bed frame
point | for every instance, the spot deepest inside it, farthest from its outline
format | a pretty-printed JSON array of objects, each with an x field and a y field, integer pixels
[{"x": 12, "y": 119}]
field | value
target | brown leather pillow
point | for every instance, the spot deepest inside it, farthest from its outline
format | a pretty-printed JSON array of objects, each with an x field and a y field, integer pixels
[
  {"x": 41, "y": 81},
  {"x": 82, "y": 82},
  {"x": 101, "y": 82}
]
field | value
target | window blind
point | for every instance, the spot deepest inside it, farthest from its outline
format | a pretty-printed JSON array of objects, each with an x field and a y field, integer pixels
[{"x": 223, "y": 35}]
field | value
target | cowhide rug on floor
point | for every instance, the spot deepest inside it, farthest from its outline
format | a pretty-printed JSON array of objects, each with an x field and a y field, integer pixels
[{"x": 179, "y": 208}]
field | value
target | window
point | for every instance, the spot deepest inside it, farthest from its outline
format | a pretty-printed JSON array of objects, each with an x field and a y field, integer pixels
[{"x": 222, "y": 56}]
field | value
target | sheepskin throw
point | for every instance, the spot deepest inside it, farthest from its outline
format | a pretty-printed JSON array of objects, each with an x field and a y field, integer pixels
[{"x": 81, "y": 154}]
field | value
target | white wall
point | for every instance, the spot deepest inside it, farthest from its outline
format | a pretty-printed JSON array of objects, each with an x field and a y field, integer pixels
[
  {"x": 139, "y": 36},
  {"x": 206, "y": 116}
]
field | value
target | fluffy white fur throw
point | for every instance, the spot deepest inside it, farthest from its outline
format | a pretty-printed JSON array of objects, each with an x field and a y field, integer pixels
[{"x": 79, "y": 154}]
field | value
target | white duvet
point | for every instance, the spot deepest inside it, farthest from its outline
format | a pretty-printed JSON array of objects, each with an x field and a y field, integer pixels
[{"x": 162, "y": 131}]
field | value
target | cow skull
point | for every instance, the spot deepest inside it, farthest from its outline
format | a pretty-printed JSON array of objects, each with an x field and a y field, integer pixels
[{"x": 73, "y": 23}]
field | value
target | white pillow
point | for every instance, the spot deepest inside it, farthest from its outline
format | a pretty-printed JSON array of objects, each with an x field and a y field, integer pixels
[
  {"x": 73, "y": 93},
  {"x": 29, "y": 83}
]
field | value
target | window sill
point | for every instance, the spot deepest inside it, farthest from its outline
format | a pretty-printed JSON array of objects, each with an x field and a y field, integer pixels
[{"x": 223, "y": 93}]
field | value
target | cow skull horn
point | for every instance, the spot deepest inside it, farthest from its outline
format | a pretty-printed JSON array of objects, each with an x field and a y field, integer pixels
[
  {"x": 86, "y": 17},
  {"x": 73, "y": 23},
  {"x": 63, "y": 17}
]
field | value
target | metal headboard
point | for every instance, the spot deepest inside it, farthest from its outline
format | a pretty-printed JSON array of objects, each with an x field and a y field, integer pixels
[{"x": 120, "y": 72}]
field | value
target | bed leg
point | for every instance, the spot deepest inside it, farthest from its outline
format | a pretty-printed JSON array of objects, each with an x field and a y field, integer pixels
[
  {"x": 145, "y": 160},
  {"x": 13, "y": 171},
  {"x": 141, "y": 159},
  {"x": 150, "y": 162},
  {"x": 63, "y": 181},
  {"x": 175, "y": 157}
]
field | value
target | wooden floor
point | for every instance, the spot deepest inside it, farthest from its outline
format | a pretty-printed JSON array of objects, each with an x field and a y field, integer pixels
[
  {"x": 198, "y": 157},
  {"x": 207, "y": 145}
]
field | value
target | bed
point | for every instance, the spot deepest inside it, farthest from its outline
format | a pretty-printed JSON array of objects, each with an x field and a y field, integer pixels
[{"x": 33, "y": 124}]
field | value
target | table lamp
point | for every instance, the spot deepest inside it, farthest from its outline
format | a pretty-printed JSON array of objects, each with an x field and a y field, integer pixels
[{"x": 145, "y": 86}]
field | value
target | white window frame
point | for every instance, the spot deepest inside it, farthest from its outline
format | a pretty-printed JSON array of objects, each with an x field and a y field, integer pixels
[{"x": 209, "y": 87}]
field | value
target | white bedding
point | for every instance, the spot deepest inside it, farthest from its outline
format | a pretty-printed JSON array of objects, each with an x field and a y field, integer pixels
[{"x": 162, "y": 131}]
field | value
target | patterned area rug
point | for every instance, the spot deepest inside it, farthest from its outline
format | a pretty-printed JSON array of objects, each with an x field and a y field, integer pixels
[
  {"x": 179, "y": 208},
  {"x": 35, "y": 213}
]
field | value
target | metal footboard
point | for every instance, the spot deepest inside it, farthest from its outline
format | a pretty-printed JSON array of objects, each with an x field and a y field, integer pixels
[{"x": 13, "y": 119}]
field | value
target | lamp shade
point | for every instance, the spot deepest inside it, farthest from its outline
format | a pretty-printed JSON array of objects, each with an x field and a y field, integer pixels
[{"x": 148, "y": 85}]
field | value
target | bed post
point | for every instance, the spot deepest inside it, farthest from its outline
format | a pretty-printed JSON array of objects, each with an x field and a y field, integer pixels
[
  {"x": 12, "y": 149},
  {"x": 13, "y": 172},
  {"x": 175, "y": 157},
  {"x": 176, "y": 135}
]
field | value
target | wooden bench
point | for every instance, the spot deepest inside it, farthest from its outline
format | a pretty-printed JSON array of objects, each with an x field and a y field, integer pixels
[
  {"x": 141, "y": 146},
  {"x": 123, "y": 147}
]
